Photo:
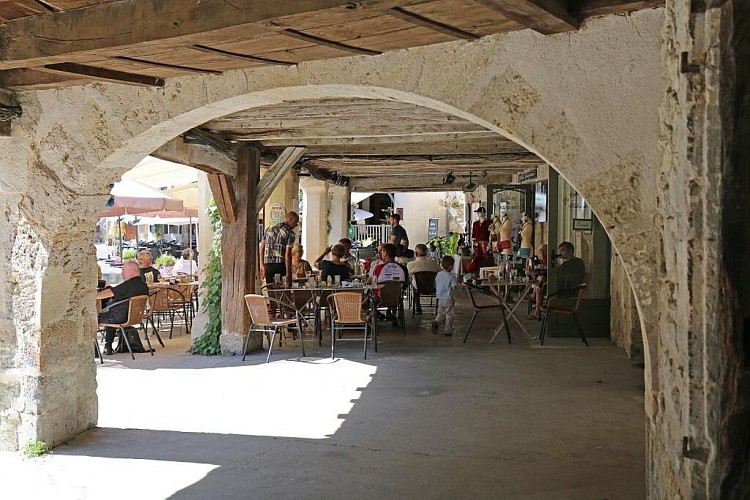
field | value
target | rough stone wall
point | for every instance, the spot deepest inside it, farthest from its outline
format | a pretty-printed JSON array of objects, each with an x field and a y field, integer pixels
[
  {"x": 597, "y": 127},
  {"x": 702, "y": 389},
  {"x": 625, "y": 324}
]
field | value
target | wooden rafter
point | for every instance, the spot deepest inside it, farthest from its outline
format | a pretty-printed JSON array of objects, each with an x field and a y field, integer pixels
[
  {"x": 223, "y": 193},
  {"x": 235, "y": 55},
  {"x": 430, "y": 24},
  {"x": 106, "y": 74},
  {"x": 329, "y": 43}
]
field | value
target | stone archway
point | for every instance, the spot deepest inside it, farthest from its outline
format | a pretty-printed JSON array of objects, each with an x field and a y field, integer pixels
[{"x": 599, "y": 130}]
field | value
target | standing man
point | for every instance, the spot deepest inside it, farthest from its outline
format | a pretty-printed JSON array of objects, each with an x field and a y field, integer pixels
[
  {"x": 276, "y": 249},
  {"x": 118, "y": 313},
  {"x": 398, "y": 233},
  {"x": 572, "y": 271}
]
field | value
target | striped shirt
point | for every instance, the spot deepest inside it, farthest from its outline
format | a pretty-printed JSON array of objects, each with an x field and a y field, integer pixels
[{"x": 277, "y": 238}]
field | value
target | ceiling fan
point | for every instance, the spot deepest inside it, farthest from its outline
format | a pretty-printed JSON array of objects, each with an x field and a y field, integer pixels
[{"x": 470, "y": 186}]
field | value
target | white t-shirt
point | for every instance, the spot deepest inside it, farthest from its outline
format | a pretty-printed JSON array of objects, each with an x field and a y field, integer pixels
[{"x": 183, "y": 266}]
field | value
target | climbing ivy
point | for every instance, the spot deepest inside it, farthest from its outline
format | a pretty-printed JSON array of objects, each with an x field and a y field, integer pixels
[{"x": 208, "y": 343}]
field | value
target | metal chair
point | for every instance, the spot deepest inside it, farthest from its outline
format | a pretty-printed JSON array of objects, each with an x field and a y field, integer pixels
[
  {"x": 352, "y": 311},
  {"x": 423, "y": 286},
  {"x": 495, "y": 305},
  {"x": 262, "y": 321},
  {"x": 553, "y": 306},
  {"x": 169, "y": 302},
  {"x": 391, "y": 298},
  {"x": 136, "y": 308}
]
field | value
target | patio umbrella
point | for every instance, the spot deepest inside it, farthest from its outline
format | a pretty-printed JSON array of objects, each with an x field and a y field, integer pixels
[
  {"x": 360, "y": 214},
  {"x": 131, "y": 197}
]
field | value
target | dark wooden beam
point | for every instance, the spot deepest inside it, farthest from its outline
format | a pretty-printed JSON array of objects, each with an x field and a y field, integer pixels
[
  {"x": 106, "y": 74},
  {"x": 430, "y": 24},
  {"x": 223, "y": 193},
  {"x": 329, "y": 43},
  {"x": 278, "y": 170},
  {"x": 47, "y": 6},
  {"x": 200, "y": 136},
  {"x": 547, "y": 17},
  {"x": 244, "y": 57}
]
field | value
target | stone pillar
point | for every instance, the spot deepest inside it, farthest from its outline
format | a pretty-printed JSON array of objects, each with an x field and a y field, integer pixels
[
  {"x": 339, "y": 213},
  {"x": 47, "y": 316},
  {"x": 625, "y": 325},
  {"x": 314, "y": 229}
]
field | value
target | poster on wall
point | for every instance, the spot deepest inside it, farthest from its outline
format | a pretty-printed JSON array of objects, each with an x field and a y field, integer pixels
[{"x": 277, "y": 214}]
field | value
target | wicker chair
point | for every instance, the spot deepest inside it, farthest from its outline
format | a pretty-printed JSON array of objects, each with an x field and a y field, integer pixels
[
  {"x": 352, "y": 311},
  {"x": 169, "y": 302},
  {"x": 263, "y": 321},
  {"x": 391, "y": 297},
  {"x": 136, "y": 307}
]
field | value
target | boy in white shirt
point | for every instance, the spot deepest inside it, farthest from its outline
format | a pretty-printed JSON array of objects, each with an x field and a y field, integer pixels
[{"x": 445, "y": 285}]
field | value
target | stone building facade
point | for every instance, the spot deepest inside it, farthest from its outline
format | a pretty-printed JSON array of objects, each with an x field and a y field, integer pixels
[{"x": 642, "y": 138}]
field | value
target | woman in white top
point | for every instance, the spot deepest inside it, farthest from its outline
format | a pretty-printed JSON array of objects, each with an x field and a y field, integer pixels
[{"x": 186, "y": 264}]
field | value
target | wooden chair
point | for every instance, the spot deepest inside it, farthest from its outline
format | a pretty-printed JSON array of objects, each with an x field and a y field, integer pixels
[
  {"x": 495, "y": 305},
  {"x": 136, "y": 308},
  {"x": 423, "y": 286},
  {"x": 263, "y": 321},
  {"x": 554, "y": 306},
  {"x": 352, "y": 311}
]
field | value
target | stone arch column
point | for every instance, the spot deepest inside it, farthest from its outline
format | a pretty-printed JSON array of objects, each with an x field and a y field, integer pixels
[{"x": 598, "y": 129}]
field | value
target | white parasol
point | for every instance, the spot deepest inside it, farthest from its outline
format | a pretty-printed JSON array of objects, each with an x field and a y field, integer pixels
[
  {"x": 131, "y": 197},
  {"x": 359, "y": 214}
]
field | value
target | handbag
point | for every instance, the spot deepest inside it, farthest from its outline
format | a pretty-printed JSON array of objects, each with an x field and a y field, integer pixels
[{"x": 504, "y": 244}]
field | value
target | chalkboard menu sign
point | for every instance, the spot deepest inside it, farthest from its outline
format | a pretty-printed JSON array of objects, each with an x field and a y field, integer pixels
[{"x": 432, "y": 229}]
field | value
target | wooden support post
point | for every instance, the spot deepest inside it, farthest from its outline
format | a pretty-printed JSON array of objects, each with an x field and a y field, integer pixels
[{"x": 239, "y": 250}]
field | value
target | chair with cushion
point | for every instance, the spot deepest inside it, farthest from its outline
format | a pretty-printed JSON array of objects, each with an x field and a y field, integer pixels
[
  {"x": 136, "y": 308},
  {"x": 566, "y": 301},
  {"x": 423, "y": 285},
  {"x": 495, "y": 304},
  {"x": 262, "y": 320},
  {"x": 352, "y": 311}
]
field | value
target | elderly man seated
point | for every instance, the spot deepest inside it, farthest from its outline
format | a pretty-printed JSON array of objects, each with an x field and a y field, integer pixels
[
  {"x": 145, "y": 260},
  {"x": 421, "y": 263},
  {"x": 118, "y": 313}
]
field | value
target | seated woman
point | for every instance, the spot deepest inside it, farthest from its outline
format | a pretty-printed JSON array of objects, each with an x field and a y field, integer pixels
[
  {"x": 300, "y": 267},
  {"x": 186, "y": 264},
  {"x": 334, "y": 267}
]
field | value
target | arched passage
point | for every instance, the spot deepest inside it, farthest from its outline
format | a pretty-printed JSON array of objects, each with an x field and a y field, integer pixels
[{"x": 599, "y": 130}]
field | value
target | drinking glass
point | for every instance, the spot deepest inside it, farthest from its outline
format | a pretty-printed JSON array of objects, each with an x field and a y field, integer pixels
[{"x": 337, "y": 280}]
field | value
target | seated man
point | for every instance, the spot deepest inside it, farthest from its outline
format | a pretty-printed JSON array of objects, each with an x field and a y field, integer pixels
[
  {"x": 144, "y": 260},
  {"x": 572, "y": 271},
  {"x": 388, "y": 270},
  {"x": 118, "y": 313},
  {"x": 421, "y": 263}
]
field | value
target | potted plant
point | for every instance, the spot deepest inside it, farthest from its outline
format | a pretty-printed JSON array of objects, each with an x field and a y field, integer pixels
[{"x": 164, "y": 263}]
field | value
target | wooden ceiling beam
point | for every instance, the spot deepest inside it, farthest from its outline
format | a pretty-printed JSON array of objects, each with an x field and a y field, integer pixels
[
  {"x": 198, "y": 156},
  {"x": 235, "y": 55},
  {"x": 399, "y": 132},
  {"x": 157, "y": 64},
  {"x": 547, "y": 17},
  {"x": 106, "y": 75},
  {"x": 588, "y": 8},
  {"x": 329, "y": 43},
  {"x": 405, "y": 149},
  {"x": 388, "y": 138},
  {"x": 51, "y": 38},
  {"x": 430, "y": 24}
]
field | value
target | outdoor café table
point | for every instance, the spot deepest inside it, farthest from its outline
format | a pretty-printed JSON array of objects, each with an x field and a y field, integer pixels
[
  {"x": 501, "y": 289},
  {"x": 319, "y": 292}
]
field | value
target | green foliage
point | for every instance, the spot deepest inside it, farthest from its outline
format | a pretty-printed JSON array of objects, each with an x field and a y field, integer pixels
[
  {"x": 448, "y": 245},
  {"x": 165, "y": 261},
  {"x": 36, "y": 449},
  {"x": 208, "y": 343},
  {"x": 128, "y": 255}
]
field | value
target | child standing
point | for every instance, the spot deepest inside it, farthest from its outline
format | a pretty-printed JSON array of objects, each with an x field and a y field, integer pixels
[{"x": 445, "y": 284}]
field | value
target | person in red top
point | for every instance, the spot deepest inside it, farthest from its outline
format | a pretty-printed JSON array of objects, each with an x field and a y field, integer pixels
[{"x": 480, "y": 230}]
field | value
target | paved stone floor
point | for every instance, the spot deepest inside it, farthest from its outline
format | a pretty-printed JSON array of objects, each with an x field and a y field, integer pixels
[{"x": 425, "y": 417}]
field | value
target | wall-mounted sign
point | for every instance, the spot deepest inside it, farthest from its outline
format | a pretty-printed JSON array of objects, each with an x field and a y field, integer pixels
[
  {"x": 432, "y": 229},
  {"x": 583, "y": 224},
  {"x": 528, "y": 175}
]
